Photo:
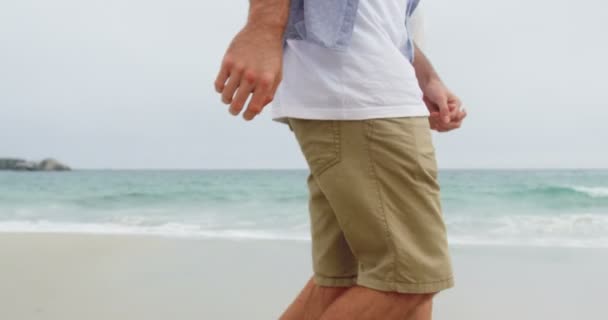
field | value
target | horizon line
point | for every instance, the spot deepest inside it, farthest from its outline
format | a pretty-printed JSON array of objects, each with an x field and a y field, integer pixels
[{"x": 304, "y": 168}]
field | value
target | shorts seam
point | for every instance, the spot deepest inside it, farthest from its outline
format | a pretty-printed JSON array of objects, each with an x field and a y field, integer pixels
[
  {"x": 424, "y": 283},
  {"x": 354, "y": 276},
  {"x": 420, "y": 283},
  {"x": 388, "y": 237},
  {"x": 335, "y": 282}
]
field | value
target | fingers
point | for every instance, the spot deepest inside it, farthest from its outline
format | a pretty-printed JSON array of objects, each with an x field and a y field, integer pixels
[
  {"x": 221, "y": 78},
  {"x": 454, "y": 105},
  {"x": 245, "y": 88},
  {"x": 456, "y": 119},
  {"x": 233, "y": 84},
  {"x": 441, "y": 127},
  {"x": 262, "y": 95},
  {"x": 445, "y": 109},
  {"x": 262, "y": 89},
  {"x": 461, "y": 115},
  {"x": 444, "y": 112},
  {"x": 457, "y": 115},
  {"x": 255, "y": 106},
  {"x": 454, "y": 101},
  {"x": 451, "y": 126}
]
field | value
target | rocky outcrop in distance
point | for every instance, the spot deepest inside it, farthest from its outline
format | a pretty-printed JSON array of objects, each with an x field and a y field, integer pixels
[{"x": 24, "y": 165}]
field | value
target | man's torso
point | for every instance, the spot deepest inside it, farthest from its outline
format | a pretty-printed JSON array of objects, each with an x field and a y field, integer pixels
[{"x": 370, "y": 79}]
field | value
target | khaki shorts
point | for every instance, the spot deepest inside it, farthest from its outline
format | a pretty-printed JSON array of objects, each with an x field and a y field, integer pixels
[{"x": 374, "y": 204}]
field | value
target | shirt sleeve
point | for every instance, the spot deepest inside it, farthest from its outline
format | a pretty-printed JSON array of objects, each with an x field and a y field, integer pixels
[{"x": 417, "y": 27}]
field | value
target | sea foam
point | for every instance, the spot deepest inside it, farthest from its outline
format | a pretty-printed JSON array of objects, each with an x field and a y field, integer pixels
[
  {"x": 573, "y": 231},
  {"x": 595, "y": 192},
  {"x": 177, "y": 230}
]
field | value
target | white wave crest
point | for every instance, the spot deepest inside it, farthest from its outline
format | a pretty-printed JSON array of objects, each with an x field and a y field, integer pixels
[
  {"x": 572, "y": 230},
  {"x": 565, "y": 230},
  {"x": 595, "y": 192}
]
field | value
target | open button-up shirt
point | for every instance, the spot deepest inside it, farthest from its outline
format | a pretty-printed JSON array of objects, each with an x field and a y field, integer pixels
[{"x": 330, "y": 23}]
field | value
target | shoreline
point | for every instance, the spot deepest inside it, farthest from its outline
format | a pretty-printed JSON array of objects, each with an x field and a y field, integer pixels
[{"x": 247, "y": 236}]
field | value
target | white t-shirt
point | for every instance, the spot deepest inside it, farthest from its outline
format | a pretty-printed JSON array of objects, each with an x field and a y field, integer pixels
[{"x": 370, "y": 79}]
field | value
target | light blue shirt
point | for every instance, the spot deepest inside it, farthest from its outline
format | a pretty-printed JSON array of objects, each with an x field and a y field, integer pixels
[{"x": 330, "y": 23}]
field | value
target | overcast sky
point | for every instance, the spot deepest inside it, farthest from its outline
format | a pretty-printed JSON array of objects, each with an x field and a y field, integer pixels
[{"x": 128, "y": 84}]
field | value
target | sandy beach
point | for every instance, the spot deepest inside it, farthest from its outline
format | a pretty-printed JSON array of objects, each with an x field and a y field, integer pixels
[{"x": 63, "y": 277}]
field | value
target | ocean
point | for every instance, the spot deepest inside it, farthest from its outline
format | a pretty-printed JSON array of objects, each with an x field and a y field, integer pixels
[{"x": 564, "y": 208}]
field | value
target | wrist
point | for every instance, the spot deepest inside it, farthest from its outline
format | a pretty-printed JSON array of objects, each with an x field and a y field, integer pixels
[
  {"x": 424, "y": 71},
  {"x": 430, "y": 82},
  {"x": 268, "y": 15},
  {"x": 265, "y": 30}
]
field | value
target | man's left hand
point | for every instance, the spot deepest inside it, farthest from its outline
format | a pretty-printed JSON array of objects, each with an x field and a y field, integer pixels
[{"x": 446, "y": 108}]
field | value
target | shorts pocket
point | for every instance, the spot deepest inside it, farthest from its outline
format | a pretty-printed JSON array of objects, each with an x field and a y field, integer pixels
[
  {"x": 319, "y": 141},
  {"x": 426, "y": 152}
]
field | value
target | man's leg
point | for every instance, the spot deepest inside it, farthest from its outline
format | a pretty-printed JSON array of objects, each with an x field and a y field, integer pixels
[
  {"x": 424, "y": 311},
  {"x": 312, "y": 302},
  {"x": 361, "y": 303},
  {"x": 331, "y": 257}
]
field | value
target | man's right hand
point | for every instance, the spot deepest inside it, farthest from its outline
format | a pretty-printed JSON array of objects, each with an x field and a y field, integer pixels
[{"x": 252, "y": 66}]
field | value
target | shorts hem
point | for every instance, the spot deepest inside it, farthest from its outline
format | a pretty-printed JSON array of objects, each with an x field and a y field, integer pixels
[
  {"x": 402, "y": 287},
  {"x": 335, "y": 282}
]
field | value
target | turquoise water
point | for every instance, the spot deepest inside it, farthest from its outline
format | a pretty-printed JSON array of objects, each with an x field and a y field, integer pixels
[{"x": 481, "y": 207}]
